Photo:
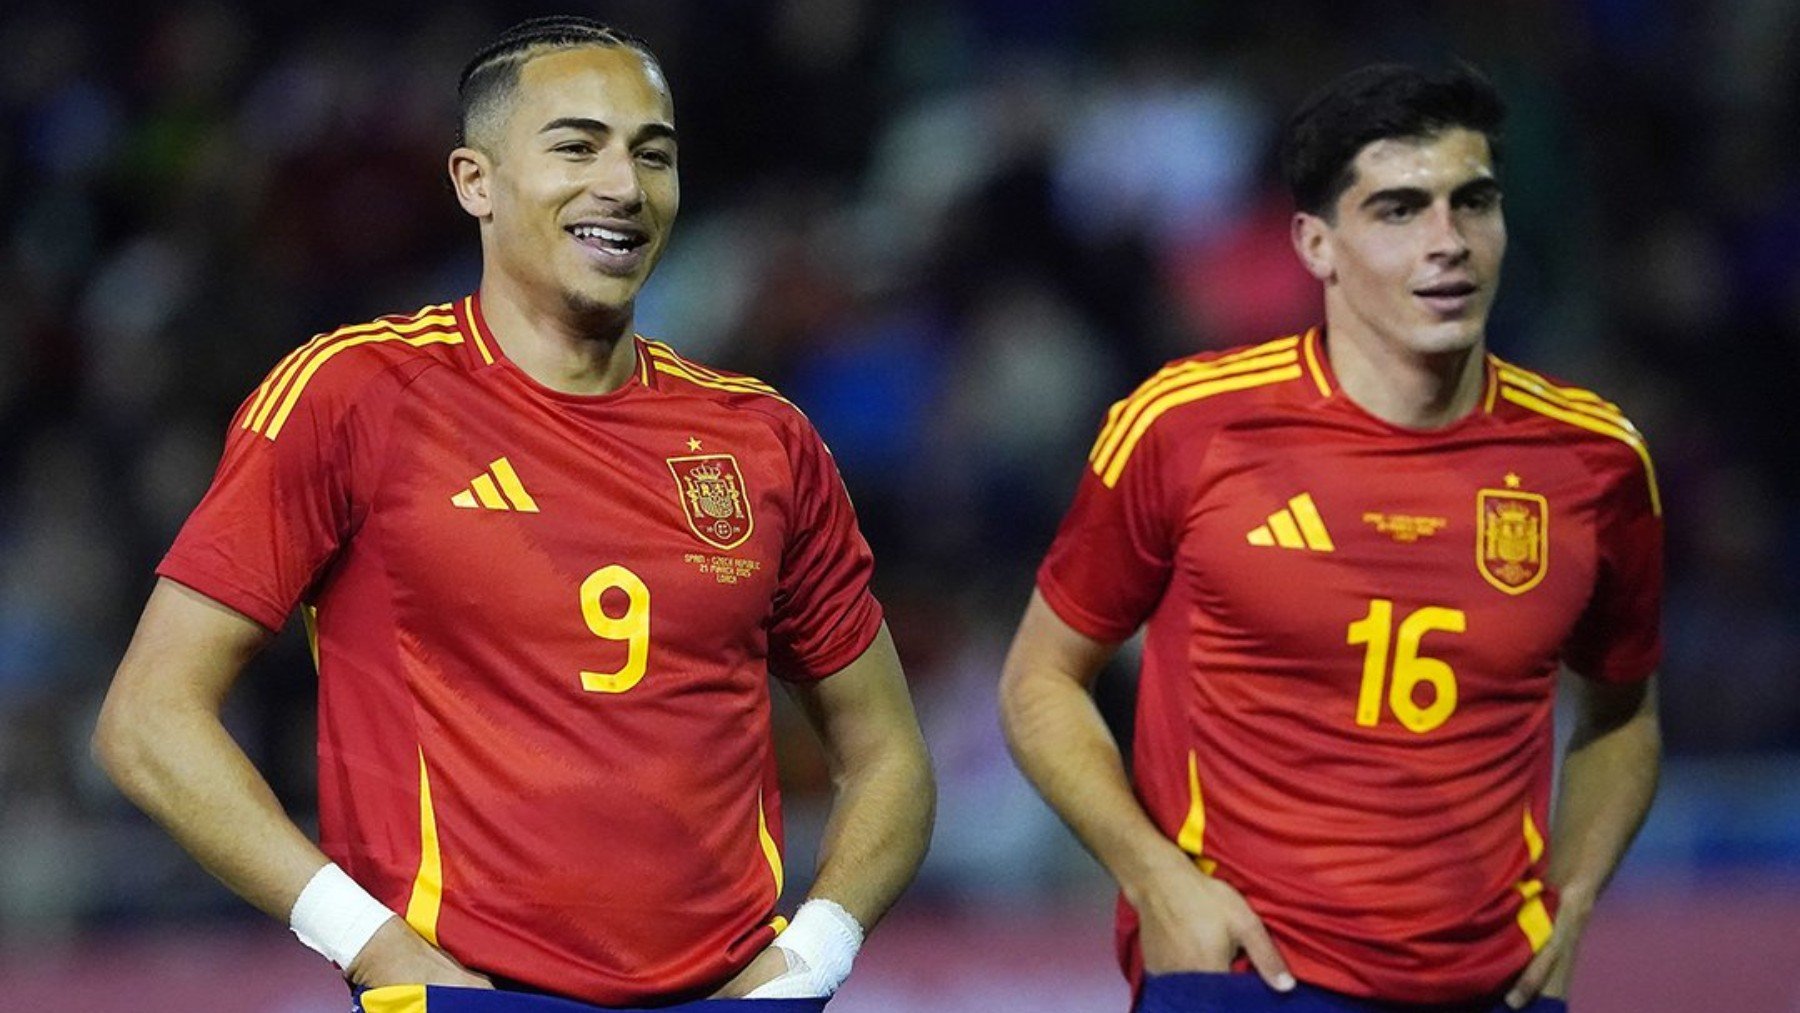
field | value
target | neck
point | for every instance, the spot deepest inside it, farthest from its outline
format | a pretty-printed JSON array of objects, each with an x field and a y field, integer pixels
[
  {"x": 1405, "y": 388},
  {"x": 574, "y": 350}
]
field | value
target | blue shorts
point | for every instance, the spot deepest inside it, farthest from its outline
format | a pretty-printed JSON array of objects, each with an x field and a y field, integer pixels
[
  {"x": 1246, "y": 993},
  {"x": 448, "y": 999}
]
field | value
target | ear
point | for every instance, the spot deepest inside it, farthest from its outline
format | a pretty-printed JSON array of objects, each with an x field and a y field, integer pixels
[
  {"x": 1312, "y": 238},
  {"x": 471, "y": 173}
]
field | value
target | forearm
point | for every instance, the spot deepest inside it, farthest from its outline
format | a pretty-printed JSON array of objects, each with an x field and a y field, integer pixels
[
  {"x": 1609, "y": 778},
  {"x": 878, "y": 831},
  {"x": 160, "y": 739},
  {"x": 1057, "y": 736},
  {"x": 182, "y": 768}
]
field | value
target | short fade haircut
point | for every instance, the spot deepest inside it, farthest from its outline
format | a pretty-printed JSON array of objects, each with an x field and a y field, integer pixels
[
  {"x": 1379, "y": 102},
  {"x": 489, "y": 79}
]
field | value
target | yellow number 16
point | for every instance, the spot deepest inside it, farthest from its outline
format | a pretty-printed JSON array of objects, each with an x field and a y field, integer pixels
[
  {"x": 633, "y": 627},
  {"x": 1410, "y": 670}
]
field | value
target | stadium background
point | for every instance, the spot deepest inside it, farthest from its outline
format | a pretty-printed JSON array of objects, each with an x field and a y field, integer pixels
[{"x": 953, "y": 230}]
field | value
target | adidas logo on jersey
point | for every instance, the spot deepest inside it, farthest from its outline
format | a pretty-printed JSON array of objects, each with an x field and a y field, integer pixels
[
  {"x": 498, "y": 488},
  {"x": 1296, "y": 526}
]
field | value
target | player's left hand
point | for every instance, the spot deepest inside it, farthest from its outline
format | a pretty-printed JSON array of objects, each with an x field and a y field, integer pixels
[
  {"x": 770, "y": 964},
  {"x": 1549, "y": 972}
]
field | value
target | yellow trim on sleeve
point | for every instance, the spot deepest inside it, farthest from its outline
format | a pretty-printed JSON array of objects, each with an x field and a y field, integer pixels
[
  {"x": 1587, "y": 399},
  {"x": 431, "y": 317},
  {"x": 666, "y": 352},
  {"x": 1592, "y": 424},
  {"x": 1177, "y": 378},
  {"x": 423, "y": 907},
  {"x": 282, "y": 369},
  {"x": 1177, "y": 373},
  {"x": 292, "y": 396},
  {"x": 1109, "y": 468}
]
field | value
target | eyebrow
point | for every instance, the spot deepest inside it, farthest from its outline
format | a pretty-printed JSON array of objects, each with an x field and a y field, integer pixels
[
  {"x": 649, "y": 131},
  {"x": 1483, "y": 186}
]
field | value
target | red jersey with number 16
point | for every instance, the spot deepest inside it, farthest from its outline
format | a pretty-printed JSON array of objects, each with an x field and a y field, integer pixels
[
  {"x": 544, "y": 628},
  {"x": 1353, "y": 636}
]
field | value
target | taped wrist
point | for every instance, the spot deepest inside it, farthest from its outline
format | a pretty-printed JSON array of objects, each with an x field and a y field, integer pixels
[
  {"x": 822, "y": 940},
  {"x": 335, "y": 917}
]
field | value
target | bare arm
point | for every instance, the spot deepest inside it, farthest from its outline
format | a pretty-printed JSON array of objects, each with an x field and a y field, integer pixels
[
  {"x": 1609, "y": 776},
  {"x": 883, "y": 800},
  {"x": 884, "y": 795},
  {"x": 1190, "y": 921},
  {"x": 160, "y": 739}
]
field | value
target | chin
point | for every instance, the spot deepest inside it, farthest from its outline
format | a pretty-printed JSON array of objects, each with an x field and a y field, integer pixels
[
  {"x": 1446, "y": 337},
  {"x": 602, "y": 300}
]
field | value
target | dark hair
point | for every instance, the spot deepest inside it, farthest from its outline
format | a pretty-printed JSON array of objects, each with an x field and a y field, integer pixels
[
  {"x": 489, "y": 78},
  {"x": 1378, "y": 102}
]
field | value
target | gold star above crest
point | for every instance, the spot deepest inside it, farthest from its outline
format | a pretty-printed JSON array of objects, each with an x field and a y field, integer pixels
[
  {"x": 693, "y": 444},
  {"x": 1512, "y": 480}
]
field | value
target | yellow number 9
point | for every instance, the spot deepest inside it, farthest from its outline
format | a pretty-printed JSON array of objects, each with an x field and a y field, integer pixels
[{"x": 633, "y": 627}]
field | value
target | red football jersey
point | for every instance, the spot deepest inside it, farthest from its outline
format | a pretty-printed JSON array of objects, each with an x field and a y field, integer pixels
[
  {"x": 1353, "y": 636},
  {"x": 544, "y": 625}
]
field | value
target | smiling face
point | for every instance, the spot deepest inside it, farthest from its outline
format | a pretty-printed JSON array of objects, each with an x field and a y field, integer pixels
[
  {"x": 1410, "y": 256},
  {"x": 576, "y": 188}
]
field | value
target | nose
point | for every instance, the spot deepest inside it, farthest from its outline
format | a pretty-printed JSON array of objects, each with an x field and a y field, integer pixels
[
  {"x": 615, "y": 179},
  {"x": 1446, "y": 240}
]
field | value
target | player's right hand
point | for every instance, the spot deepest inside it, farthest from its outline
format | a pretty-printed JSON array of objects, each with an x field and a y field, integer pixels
[
  {"x": 1189, "y": 921},
  {"x": 396, "y": 955}
]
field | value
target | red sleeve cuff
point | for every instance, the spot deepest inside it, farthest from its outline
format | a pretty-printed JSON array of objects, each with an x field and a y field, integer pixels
[
  {"x": 856, "y": 633},
  {"x": 259, "y": 609},
  {"x": 1080, "y": 619}
]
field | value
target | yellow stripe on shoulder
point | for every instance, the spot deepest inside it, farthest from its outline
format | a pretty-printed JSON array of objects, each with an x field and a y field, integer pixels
[
  {"x": 1620, "y": 430},
  {"x": 1573, "y": 398},
  {"x": 1111, "y": 464},
  {"x": 1125, "y": 413},
  {"x": 763, "y": 390},
  {"x": 662, "y": 353},
  {"x": 275, "y": 385},
  {"x": 416, "y": 335}
]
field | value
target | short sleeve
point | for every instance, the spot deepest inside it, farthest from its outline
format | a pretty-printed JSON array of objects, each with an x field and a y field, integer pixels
[
  {"x": 1112, "y": 558},
  {"x": 1619, "y": 636},
  {"x": 277, "y": 511},
  {"x": 825, "y": 614}
]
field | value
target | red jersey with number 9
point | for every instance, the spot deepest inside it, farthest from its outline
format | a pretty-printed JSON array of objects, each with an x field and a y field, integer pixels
[
  {"x": 1352, "y": 638},
  {"x": 544, "y": 625}
]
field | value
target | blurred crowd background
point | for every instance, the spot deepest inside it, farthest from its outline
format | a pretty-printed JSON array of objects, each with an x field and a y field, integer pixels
[{"x": 953, "y": 231}]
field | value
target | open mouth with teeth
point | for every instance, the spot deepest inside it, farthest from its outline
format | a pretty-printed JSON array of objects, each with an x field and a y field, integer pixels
[{"x": 614, "y": 244}]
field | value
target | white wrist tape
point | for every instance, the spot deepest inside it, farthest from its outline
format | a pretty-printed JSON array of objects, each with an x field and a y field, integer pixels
[
  {"x": 335, "y": 916},
  {"x": 823, "y": 938}
]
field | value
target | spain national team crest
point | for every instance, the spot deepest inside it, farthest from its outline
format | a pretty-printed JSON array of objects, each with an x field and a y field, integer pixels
[
  {"x": 1512, "y": 538},
  {"x": 714, "y": 498}
]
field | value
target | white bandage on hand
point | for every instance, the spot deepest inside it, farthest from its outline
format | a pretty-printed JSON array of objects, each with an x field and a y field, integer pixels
[
  {"x": 336, "y": 917},
  {"x": 820, "y": 944}
]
